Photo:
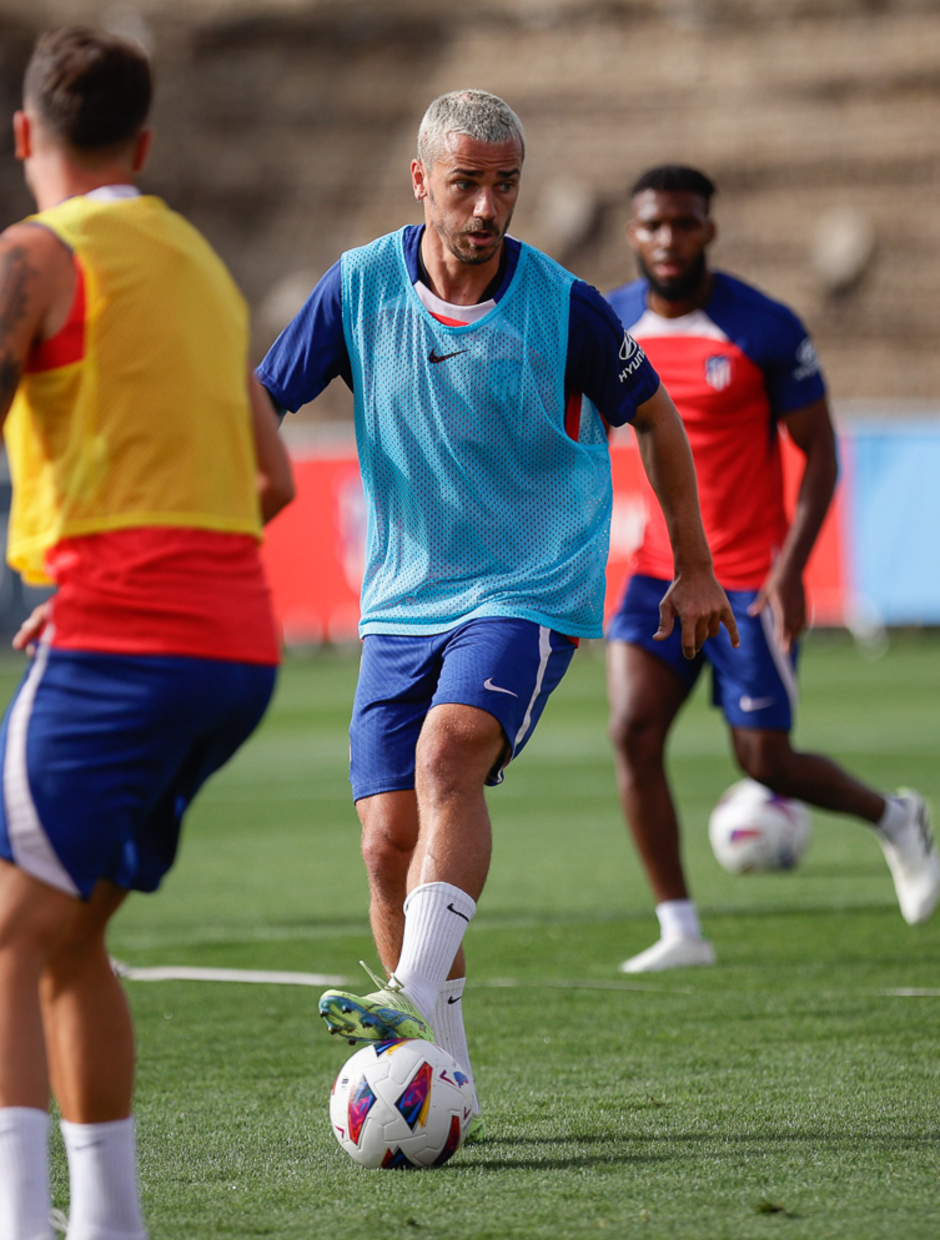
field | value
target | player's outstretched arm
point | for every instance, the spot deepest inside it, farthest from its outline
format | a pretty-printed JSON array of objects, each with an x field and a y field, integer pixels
[
  {"x": 275, "y": 480},
  {"x": 812, "y": 431},
  {"x": 695, "y": 599}
]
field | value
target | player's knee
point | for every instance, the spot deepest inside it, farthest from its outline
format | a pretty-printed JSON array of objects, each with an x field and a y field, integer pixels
[
  {"x": 386, "y": 853},
  {"x": 26, "y": 947},
  {"x": 456, "y": 760},
  {"x": 636, "y": 738},
  {"x": 768, "y": 763},
  {"x": 437, "y": 766},
  {"x": 77, "y": 958},
  {"x": 32, "y": 928}
]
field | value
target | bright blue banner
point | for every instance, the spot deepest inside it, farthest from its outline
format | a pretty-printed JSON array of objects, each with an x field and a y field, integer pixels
[{"x": 893, "y": 530}]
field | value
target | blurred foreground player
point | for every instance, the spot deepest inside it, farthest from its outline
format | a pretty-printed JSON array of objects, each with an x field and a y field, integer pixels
[
  {"x": 138, "y": 445},
  {"x": 487, "y": 480},
  {"x": 739, "y": 367}
]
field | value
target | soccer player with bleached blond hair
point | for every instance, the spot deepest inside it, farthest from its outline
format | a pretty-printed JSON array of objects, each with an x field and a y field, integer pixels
[
  {"x": 485, "y": 377},
  {"x": 472, "y": 113}
]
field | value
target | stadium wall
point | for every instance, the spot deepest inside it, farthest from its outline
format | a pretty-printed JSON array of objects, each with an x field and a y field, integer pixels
[{"x": 877, "y": 561}]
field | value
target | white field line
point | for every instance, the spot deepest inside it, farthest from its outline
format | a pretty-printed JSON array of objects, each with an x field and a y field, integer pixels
[
  {"x": 186, "y": 973},
  {"x": 571, "y": 984},
  {"x": 189, "y": 973},
  {"x": 911, "y": 992}
]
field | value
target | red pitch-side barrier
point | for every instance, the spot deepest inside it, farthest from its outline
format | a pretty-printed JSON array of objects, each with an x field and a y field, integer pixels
[{"x": 314, "y": 550}]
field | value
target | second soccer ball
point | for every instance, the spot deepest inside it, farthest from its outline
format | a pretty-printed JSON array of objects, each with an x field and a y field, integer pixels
[{"x": 751, "y": 828}]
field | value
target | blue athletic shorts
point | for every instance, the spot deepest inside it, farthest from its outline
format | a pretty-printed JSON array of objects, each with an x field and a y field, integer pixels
[
  {"x": 101, "y": 755},
  {"x": 506, "y": 667},
  {"x": 754, "y": 685}
]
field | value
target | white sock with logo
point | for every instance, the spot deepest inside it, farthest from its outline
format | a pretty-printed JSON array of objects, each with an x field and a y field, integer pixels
[
  {"x": 678, "y": 919},
  {"x": 104, "y": 1201},
  {"x": 436, "y": 917},
  {"x": 24, "y": 1174},
  {"x": 449, "y": 1032}
]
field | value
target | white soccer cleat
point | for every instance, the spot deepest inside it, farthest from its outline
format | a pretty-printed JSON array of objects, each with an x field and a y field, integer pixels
[
  {"x": 672, "y": 953},
  {"x": 912, "y": 858}
]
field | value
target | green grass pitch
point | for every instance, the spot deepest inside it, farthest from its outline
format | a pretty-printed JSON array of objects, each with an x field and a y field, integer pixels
[{"x": 786, "y": 1093}]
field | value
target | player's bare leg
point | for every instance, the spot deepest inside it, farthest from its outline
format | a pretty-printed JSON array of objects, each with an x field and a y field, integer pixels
[
  {"x": 389, "y": 837},
  {"x": 447, "y": 866},
  {"x": 645, "y": 698},
  {"x": 90, "y": 1047},
  {"x": 33, "y": 919},
  {"x": 87, "y": 1022},
  {"x": 457, "y": 749},
  {"x": 768, "y": 757},
  {"x": 63, "y": 1014},
  {"x": 902, "y": 823}
]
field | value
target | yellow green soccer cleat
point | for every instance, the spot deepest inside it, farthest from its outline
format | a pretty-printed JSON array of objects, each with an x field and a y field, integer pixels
[{"x": 385, "y": 1016}]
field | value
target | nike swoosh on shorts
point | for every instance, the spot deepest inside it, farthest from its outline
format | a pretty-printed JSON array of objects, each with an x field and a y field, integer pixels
[
  {"x": 488, "y": 684},
  {"x": 749, "y": 704}
]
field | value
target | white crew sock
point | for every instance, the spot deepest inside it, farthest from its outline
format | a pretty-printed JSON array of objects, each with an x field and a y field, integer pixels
[
  {"x": 678, "y": 919},
  {"x": 436, "y": 917},
  {"x": 449, "y": 1032},
  {"x": 104, "y": 1202},
  {"x": 24, "y": 1174},
  {"x": 894, "y": 818}
]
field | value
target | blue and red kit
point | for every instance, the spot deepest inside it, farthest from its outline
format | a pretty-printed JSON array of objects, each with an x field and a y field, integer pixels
[{"x": 733, "y": 368}]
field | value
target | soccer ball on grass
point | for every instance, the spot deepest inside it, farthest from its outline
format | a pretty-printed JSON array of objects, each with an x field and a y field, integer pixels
[
  {"x": 751, "y": 828},
  {"x": 400, "y": 1104}
]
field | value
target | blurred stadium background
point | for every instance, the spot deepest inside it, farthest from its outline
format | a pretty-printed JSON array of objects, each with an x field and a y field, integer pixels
[{"x": 285, "y": 128}]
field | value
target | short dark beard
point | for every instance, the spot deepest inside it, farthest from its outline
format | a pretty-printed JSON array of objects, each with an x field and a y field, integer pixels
[
  {"x": 472, "y": 258},
  {"x": 682, "y": 288}
]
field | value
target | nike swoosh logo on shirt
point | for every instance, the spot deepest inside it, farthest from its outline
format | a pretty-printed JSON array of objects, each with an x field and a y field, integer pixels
[
  {"x": 488, "y": 684},
  {"x": 748, "y": 703},
  {"x": 434, "y": 356}
]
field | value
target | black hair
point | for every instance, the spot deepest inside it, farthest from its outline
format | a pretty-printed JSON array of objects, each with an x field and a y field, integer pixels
[{"x": 675, "y": 179}]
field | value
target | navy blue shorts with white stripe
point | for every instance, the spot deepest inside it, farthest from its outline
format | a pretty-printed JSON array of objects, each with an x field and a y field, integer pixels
[
  {"x": 507, "y": 667},
  {"x": 755, "y": 685},
  {"x": 101, "y": 755}
]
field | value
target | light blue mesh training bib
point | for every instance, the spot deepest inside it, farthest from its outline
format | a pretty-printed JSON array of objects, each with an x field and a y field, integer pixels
[{"x": 479, "y": 503}]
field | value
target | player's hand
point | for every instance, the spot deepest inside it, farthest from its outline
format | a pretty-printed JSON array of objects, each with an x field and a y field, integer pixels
[
  {"x": 783, "y": 593},
  {"x": 698, "y": 603},
  {"x": 31, "y": 629}
]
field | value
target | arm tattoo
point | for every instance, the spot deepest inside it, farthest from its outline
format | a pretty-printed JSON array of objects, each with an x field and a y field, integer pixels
[{"x": 15, "y": 275}]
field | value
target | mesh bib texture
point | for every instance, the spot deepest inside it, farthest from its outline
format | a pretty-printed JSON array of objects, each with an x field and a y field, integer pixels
[{"x": 479, "y": 502}]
